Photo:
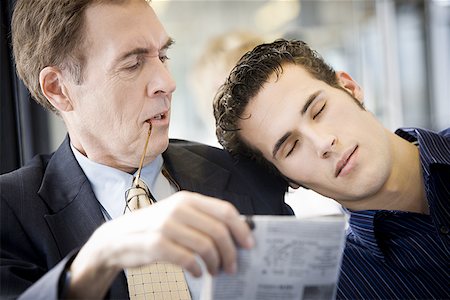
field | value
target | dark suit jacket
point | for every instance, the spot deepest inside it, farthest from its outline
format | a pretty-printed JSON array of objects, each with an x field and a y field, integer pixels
[{"x": 48, "y": 210}]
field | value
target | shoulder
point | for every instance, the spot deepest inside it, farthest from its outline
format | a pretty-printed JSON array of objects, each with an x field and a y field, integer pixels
[
  {"x": 445, "y": 133},
  {"x": 220, "y": 157},
  {"x": 20, "y": 188},
  {"x": 21, "y": 207},
  {"x": 30, "y": 175},
  {"x": 197, "y": 148},
  {"x": 227, "y": 173},
  {"x": 194, "y": 150}
]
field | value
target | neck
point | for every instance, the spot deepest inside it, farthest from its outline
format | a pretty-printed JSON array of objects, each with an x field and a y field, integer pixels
[
  {"x": 104, "y": 158},
  {"x": 404, "y": 190}
]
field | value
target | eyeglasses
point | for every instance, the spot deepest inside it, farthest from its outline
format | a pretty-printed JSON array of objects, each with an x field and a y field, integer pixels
[{"x": 138, "y": 187}]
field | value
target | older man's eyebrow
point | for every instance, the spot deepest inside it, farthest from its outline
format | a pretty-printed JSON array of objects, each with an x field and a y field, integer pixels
[
  {"x": 279, "y": 143},
  {"x": 170, "y": 41},
  {"x": 310, "y": 100},
  {"x": 141, "y": 50},
  {"x": 136, "y": 51}
]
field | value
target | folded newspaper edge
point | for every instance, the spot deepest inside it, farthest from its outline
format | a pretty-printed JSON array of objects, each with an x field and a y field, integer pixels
[{"x": 293, "y": 258}]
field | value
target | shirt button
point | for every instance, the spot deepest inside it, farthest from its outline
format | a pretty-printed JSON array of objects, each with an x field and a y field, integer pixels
[{"x": 444, "y": 229}]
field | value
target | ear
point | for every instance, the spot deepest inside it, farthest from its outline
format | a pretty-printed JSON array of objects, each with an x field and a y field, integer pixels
[
  {"x": 294, "y": 185},
  {"x": 53, "y": 87},
  {"x": 351, "y": 86}
]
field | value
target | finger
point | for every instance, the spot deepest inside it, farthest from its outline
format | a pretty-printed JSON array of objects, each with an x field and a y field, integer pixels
[
  {"x": 196, "y": 241},
  {"x": 139, "y": 245},
  {"x": 228, "y": 214},
  {"x": 179, "y": 255},
  {"x": 214, "y": 229},
  {"x": 138, "y": 251}
]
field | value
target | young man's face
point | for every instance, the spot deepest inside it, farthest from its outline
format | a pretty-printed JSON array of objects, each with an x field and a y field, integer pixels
[
  {"x": 318, "y": 136},
  {"x": 126, "y": 83}
]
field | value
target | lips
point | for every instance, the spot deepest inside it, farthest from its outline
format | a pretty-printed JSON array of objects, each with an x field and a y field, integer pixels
[
  {"x": 158, "y": 117},
  {"x": 343, "y": 162}
]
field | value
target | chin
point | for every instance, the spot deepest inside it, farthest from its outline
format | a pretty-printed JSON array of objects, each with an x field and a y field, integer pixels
[
  {"x": 164, "y": 146},
  {"x": 160, "y": 145},
  {"x": 366, "y": 191}
]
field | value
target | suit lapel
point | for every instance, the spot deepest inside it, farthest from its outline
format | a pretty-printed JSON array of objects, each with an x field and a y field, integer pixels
[
  {"x": 74, "y": 210},
  {"x": 195, "y": 173}
]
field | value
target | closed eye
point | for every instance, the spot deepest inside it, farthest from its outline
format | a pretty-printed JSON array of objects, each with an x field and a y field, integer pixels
[
  {"x": 135, "y": 66},
  {"x": 319, "y": 112},
  {"x": 292, "y": 149}
]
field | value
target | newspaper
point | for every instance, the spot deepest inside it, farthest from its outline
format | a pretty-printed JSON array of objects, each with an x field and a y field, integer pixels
[{"x": 294, "y": 258}]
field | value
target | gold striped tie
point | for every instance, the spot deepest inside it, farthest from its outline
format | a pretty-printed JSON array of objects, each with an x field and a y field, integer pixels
[{"x": 158, "y": 280}]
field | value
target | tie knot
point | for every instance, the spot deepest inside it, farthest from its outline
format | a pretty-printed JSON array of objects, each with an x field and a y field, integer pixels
[
  {"x": 139, "y": 183},
  {"x": 138, "y": 195}
]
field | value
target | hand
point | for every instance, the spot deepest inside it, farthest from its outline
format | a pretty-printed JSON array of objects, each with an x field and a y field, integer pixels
[{"x": 174, "y": 230}]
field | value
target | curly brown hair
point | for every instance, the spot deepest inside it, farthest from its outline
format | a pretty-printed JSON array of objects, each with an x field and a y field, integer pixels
[
  {"x": 246, "y": 80},
  {"x": 49, "y": 33}
]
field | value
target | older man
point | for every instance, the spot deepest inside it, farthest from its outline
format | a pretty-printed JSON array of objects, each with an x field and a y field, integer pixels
[{"x": 102, "y": 67}]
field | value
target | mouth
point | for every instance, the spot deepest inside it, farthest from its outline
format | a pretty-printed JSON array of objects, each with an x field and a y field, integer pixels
[
  {"x": 158, "y": 117},
  {"x": 344, "y": 161}
]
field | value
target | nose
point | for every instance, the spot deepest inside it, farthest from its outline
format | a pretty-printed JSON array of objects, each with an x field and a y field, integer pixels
[
  {"x": 161, "y": 81},
  {"x": 323, "y": 143}
]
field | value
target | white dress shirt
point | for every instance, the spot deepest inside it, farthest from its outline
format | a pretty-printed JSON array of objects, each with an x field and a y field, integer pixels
[{"x": 110, "y": 184}]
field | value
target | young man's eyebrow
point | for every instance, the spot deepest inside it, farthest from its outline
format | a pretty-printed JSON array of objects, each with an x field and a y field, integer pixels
[
  {"x": 279, "y": 143},
  {"x": 310, "y": 101},
  {"x": 281, "y": 140}
]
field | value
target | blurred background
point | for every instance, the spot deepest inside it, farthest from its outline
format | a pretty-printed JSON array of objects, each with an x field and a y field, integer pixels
[{"x": 398, "y": 50}]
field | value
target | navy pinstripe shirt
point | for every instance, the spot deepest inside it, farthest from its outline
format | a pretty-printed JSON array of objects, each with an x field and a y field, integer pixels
[{"x": 403, "y": 255}]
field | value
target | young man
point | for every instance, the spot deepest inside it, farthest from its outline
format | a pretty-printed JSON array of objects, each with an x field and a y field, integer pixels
[
  {"x": 285, "y": 107},
  {"x": 102, "y": 66}
]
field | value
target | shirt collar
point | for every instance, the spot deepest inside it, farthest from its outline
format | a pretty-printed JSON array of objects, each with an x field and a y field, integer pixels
[
  {"x": 109, "y": 184},
  {"x": 430, "y": 144},
  {"x": 362, "y": 225}
]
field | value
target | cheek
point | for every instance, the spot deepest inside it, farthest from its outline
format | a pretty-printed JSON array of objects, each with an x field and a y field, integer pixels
[
  {"x": 121, "y": 103},
  {"x": 300, "y": 170}
]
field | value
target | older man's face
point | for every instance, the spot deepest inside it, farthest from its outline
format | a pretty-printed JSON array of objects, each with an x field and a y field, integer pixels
[{"x": 126, "y": 84}]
